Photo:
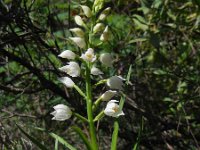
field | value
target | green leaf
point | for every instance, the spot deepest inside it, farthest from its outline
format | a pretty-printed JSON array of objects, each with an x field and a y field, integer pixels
[
  {"x": 99, "y": 116},
  {"x": 115, "y": 135},
  {"x": 160, "y": 72},
  {"x": 116, "y": 126},
  {"x": 129, "y": 75},
  {"x": 140, "y": 25},
  {"x": 137, "y": 40},
  {"x": 36, "y": 142},
  {"x": 56, "y": 144},
  {"x": 62, "y": 141},
  {"x": 82, "y": 136},
  {"x": 58, "y": 138}
]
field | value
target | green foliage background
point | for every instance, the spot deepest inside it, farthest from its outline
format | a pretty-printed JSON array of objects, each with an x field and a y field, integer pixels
[{"x": 159, "y": 39}]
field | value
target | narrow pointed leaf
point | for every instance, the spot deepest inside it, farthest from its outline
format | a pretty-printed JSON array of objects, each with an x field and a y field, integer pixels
[
  {"x": 57, "y": 137},
  {"x": 82, "y": 136},
  {"x": 36, "y": 142}
]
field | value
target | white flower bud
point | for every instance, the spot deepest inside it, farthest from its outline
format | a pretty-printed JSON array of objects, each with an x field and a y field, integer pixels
[
  {"x": 115, "y": 82},
  {"x": 67, "y": 54},
  {"x": 105, "y": 35},
  {"x": 79, "y": 32},
  {"x": 108, "y": 95},
  {"x": 71, "y": 69},
  {"x": 98, "y": 27},
  {"x": 80, "y": 42},
  {"x": 112, "y": 109},
  {"x": 89, "y": 55},
  {"x": 78, "y": 20},
  {"x": 106, "y": 59},
  {"x": 104, "y": 13},
  {"x": 61, "y": 113},
  {"x": 87, "y": 11},
  {"x": 67, "y": 82},
  {"x": 96, "y": 71}
]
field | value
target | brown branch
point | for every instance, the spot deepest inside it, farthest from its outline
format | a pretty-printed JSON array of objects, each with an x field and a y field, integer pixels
[
  {"x": 17, "y": 90},
  {"x": 13, "y": 114},
  {"x": 48, "y": 84}
]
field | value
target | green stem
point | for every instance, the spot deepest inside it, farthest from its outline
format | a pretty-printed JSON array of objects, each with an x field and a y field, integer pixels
[
  {"x": 99, "y": 116},
  {"x": 89, "y": 109},
  {"x": 80, "y": 91},
  {"x": 116, "y": 125},
  {"x": 96, "y": 103},
  {"x": 80, "y": 117},
  {"x": 115, "y": 135}
]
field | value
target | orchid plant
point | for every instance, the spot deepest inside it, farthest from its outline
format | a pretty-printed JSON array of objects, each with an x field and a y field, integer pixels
[{"x": 85, "y": 66}]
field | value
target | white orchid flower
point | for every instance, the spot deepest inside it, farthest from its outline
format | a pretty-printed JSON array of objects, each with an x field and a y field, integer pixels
[
  {"x": 67, "y": 82},
  {"x": 87, "y": 11},
  {"x": 105, "y": 35},
  {"x": 80, "y": 42},
  {"x": 115, "y": 82},
  {"x": 112, "y": 109},
  {"x": 79, "y": 32},
  {"x": 71, "y": 69},
  {"x": 78, "y": 20},
  {"x": 67, "y": 54},
  {"x": 108, "y": 95},
  {"x": 106, "y": 59},
  {"x": 98, "y": 27},
  {"x": 89, "y": 55},
  {"x": 104, "y": 13},
  {"x": 96, "y": 71},
  {"x": 61, "y": 113}
]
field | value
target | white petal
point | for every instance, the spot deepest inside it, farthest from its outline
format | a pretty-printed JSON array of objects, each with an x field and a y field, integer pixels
[
  {"x": 71, "y": 69},
  {"x": 112, "y": 109},
  {"x": 115, "y": 82},
  {"x": 64, "y": 68},
  {"x": 67, "y": 54},
  {"x": 80, "y": 42},
  {"x": 120, "y": 113},
  {"x": 102, "y": 16},
  {"x": 61, "y": 113},
  {"x": 96, "y": 71},
  {"x": 60, "y": 106},
  {"x": 104, "y": 13},
  {"x": 98, "y": 27},
  {"x": 87, "y": 11},
  {"x": 78, "y": 20},
  {"x": 89, "y": 55},
  {"x": 106, "y": 59},
  {"x": 113, "y": 101},
  {"x": 67, "y": 82},
  {"x": 105, "y": 35},
  {"x": 79, "y": 32},
  {"x": 108, "y": 95},
  {"x": 109, "y": 112}
]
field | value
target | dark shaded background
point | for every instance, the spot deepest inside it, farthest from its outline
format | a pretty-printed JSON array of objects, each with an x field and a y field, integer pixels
[{"x": 160, "y": 39}]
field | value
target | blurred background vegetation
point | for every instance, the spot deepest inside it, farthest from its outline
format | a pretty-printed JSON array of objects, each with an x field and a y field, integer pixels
[{"x": 159, "y": 40}]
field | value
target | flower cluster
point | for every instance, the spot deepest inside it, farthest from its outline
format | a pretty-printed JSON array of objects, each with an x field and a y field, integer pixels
[{"x": 89, "y": 58}]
